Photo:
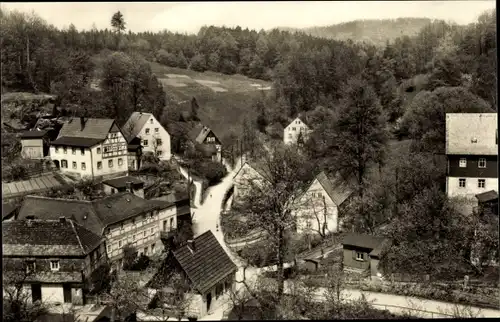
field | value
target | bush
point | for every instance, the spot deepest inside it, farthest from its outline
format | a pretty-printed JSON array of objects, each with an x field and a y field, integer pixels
[{"x": 212, "y": 171}]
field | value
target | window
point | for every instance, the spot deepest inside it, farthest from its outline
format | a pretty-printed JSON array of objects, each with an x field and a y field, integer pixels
[
  {"x": 481, "y": 183},
  {"x": 133, "y": 221},
  {"x": 171, "y": 223},
  {"x": 120, "y": 162},
  {"x": 481, "y": 163},
  {"x": 119, "y": 243},
  {"x": 147, "y": 131},
  {"x": 121, "y": 226},
  {"x": 152, "y": 231},
  {"x": 360, "y": 256},
  {"x": 145, "y": 142},
  {"x": 289, "y": 135},
  {"x": 164, "y": 225},
  {"x": 133, "y": 164},
  {"x": 64, "y": 164},
  {"x": 74, "y": 165},
  {"x": 99, "y": 165},
  {"x": 110, "y": 163},
  {"x": 462, "y": 163},
  {"x": 145, "y": 250},
  {"x": 65, "y": 150},
  {"x": 461, "y": 183},
  {"x": 156, "y": 130},
  {"x": 54, "y": 265},
  {"x": 108, "y": 230},
  {"x": 82, "y": 151},
  {"x": 98, "y": 150},
  {"x": 159, "y": 152},
  {"x": 30, "y": 266},
  {"x": 109, "y": 248},
  {"x": 113, "y": 190},
  {"x": 158, "y": 141},
  {"x": 152, "y": 248},
  {"x": 57, "y": 149},
  {"x": 294, "y": 128},
  {"x": 144, "y": 234},
  {"x": 218, "y": 290},
  {"x": 73, "y": 151},
  {"x": 150, "y": 121},
  {"x": 84, "y": 167}
]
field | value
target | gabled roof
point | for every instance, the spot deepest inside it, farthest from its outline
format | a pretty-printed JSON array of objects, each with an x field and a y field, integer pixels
[
  {"x": 297, "y": 118},
  {"x": 95, "y": 215},
  {"x": 76, "y": 142},
  {"x": 134, "y": 124},
  {"x": 258, "y": 166},
  {"x": 471, "y": 133},
  {"x": 487, "y": 196},
  {"x": 199, "y": 133},
  {"x": 48, "y": 238},
  {"x": 362, "y": 241},
  {"x": 207, "y": 265},
  {"x": 33, "y": 134},
  {"x": 121, "y": 182},
  {"x": 93, "y": 128},
  {"x": 338, "y": 189}
]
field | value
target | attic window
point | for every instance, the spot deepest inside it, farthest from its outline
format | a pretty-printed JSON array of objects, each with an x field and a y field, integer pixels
[{"x": 473, "y": 140}]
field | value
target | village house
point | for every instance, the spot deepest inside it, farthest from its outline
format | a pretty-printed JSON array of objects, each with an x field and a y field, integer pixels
[
  {"x": 362, "y": 253},
  {"x": 317, "y": 210},
  {"x": 124, "y": 184},
  {"x": 472, "y": 153},
  {"x": 94, "y": 148},
  {"x": 134, "y": 154},
  {"x": 296, "y": 132},
  {"x": 249, "y": 176},
  {"x": 204, "y": 136},
  {"x": 206, "y": 267},
  {"x": 152, "y": 135},
  {"x": 34, "y": 144},
  {"x": 122, "y": 218},
  {"x": 51, "y": 259}
]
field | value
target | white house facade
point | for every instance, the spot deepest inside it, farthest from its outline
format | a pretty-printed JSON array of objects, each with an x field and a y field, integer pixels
[{"x": 296, "y": 128}]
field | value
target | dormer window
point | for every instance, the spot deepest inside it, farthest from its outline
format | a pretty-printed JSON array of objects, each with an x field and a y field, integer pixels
[
  {"x": 30, "y": 266},
  {"x": 54, "y": 265},
  {"x": 150, "y": 121},
  {"x": 473, "y": 140}
]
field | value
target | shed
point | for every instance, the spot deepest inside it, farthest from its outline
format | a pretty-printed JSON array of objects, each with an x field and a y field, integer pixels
[
  {"x": 123, "y": 184},
  {"x": 362, "y": 252}
]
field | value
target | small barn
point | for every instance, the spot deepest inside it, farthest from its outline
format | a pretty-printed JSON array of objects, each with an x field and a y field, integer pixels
[
  {"x": 122, "y": 184},
  {"x": 362, "y": 252},
  {"x": 34, "y": 144}
]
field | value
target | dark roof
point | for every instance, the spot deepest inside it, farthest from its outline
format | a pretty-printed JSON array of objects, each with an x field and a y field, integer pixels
[
  {"x": 487, "y": 196},
  {"x": 93, "y": 129},
  {"x": 207, "y": 265},
  {"x": 94, "y": 215},
  {"x": 8, "y": 208},
  {"x": 362, "y": 241},
  {"x": 338, "y": 189},
  {"x": 33, "y": 134},
  {"x": 134, "y": 124},
  {"x": 121, "y": 182},
  {"x": 199, "y": 133},
  {"x": 76, "y": 141},
  {"x": 47, "y": 237}
]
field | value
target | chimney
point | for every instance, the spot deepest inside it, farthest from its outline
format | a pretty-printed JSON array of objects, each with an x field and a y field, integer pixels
[
  {"x": 191, "y": 245},
  {"x": 129, "y": 186},
  {"x": 82, "y": 122},
  {"x": 62, "y": 219}
]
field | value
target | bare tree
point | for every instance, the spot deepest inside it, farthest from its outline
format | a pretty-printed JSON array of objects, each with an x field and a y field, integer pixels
[
  {"x": 272, "y": 200},
  {"x": 175, "y": 298}
]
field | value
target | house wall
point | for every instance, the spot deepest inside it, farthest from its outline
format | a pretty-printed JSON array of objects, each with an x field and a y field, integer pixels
[
  {"x": 471, "y": 186},
  {"x": 472, "y": 170},
  {"x": 156, "y": 131},
  {"x": 52, "y": 293},
  {"x": 212, "y": 139},
  {"x": 310, "y": 209},
  {"x": 142, "y": 232},
  {"x": 350, "y": 257},
  {"x": 291, "y": 132},
  {"x": 133, "y": 161},
  {"x": 374, "y": 266},
  {"x": 243, "y": 181},
  {"x": 32, "y": 148},
  {"x": 217, "y": 302}
]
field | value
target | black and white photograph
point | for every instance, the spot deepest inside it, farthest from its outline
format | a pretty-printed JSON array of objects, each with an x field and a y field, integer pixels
[{"x": 249, "y": 160}]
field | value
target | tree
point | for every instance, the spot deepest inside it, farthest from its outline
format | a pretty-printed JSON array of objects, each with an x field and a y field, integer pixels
[
  {"x": 198, "y": 63},
  {"x": 194, "y": 109},
  {"x": 175, "y": 298},
  {"x": 361, "y": 134},
  {"x": 271, "y": 202},
  {"x": 118, "y": 23}
]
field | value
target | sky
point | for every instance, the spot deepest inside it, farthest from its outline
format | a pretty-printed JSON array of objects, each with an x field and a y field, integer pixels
[{"x": 188, "y": 17}]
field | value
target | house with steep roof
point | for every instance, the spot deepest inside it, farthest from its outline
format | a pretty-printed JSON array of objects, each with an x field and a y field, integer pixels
[
  {"x": 145, "y": 129},
  {"x": 122, "y": 218},
  {"x": 251, "y": 174},
  {"x": 362, "y": 252},
  {"x": 472, "y": 154},
  {"x": 317, "y": 209},
  {"x": 296, "y": 132},
  {"x": 90, "y": 147},
  {"x": 206, "y": 137},
  {"x": 51, "y": 258},
  {"x": 207, "y": 268}
]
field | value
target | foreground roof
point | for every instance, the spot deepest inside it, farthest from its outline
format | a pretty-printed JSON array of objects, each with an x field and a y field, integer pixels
[
  {"x": 94, "y": 128},
  {"x": 471, "y": 133},
  {"x": 337, "y": 189},
  {"x": 199, "y": 133},
  {"x": 33, "y": 134},
  {"x": 78, "y": 142},
  {"x": 134, "y": 125},
  {"x": 95, "y": 215},
  {"x": 207, "y": 265},
  {"x": 48, "y": 238},
  {"x": 121, "y": 182},
  {"x": 362, "y": 240},
  {"x": 487, "y": 196}
]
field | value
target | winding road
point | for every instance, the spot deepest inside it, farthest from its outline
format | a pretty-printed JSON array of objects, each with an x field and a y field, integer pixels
[{"x": 207, "y": 216}]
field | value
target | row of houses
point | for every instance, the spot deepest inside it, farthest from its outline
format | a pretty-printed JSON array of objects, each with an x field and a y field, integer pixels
[{"x": 99, "y": 148}]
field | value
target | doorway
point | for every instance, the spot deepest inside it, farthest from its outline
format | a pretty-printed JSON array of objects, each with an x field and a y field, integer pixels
[
  {"x": 209, "y": 301},
  {"x": 36, "y": 292},
  {"x": 67, "y": 293}
]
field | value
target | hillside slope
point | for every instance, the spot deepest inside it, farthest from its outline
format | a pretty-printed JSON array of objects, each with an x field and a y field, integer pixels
[{"x": 376, "y": 32}]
